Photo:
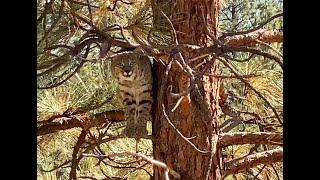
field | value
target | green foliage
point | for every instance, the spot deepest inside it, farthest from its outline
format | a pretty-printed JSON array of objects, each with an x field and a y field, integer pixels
[
  {"x": 269, "y": 82},
  {"x": 91, "y": 88}
]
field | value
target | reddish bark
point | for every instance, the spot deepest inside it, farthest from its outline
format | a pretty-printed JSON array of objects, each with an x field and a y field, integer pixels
[{"x": 189, "y": 118}]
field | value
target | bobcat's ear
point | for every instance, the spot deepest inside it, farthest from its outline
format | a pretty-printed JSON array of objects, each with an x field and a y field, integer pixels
[{"x": 139, "y": 52}]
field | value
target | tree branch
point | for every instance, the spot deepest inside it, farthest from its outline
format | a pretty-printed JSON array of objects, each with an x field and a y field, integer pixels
[
  {"x": 239, "y": 138},
  {"x": 243, "y": 163},
  {"x": 267, "y": 36},
  {"x": 68, "y": 122}
]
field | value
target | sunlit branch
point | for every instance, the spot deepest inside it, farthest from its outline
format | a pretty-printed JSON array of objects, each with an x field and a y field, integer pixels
[
  {"x": 243, "y": 163},
  {"x": 239, "y": 138},
  {"x": 264, "y": 35}
]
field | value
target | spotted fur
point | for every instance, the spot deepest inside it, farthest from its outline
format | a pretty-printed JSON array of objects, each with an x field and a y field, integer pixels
[{"x": 133, "y": 72}]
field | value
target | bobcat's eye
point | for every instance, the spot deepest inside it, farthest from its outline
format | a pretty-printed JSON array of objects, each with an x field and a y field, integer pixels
[{"x": 122, "y": 63}]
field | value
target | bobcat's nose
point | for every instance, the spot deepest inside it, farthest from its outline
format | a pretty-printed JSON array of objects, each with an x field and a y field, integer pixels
[{"x": 127, "y": 73}]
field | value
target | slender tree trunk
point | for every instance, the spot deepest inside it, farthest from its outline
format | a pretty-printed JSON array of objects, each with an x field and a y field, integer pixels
[{"x": 192, "y": 117}]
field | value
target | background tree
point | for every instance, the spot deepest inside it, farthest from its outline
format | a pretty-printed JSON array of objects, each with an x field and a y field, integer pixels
[{"x": 218, "y": 112}]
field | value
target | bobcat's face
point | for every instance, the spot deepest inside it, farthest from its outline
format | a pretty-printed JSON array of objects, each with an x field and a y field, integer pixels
[
  {"x": 125, "y": 67},
  {"x": 129, "y": 67}
]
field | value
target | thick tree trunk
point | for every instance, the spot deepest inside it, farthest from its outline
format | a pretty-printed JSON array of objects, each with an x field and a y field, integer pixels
[{"x": 191, "y": 118}]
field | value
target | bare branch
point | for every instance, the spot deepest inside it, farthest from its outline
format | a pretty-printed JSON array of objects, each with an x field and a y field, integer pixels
[
  {"x": 243, "y": 163},
  {"x": 267, "y": 36},
  {"x": 68, "y": 122},
  {"x": 239, "y": 138},
  {"x": 173, "y": 31}
]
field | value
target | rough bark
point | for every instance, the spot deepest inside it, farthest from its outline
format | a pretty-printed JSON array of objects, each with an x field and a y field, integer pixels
[{"x": 189, "y": 118}]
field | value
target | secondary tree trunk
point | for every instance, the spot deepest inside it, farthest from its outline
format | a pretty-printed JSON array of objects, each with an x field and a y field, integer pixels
[{"x": 191, "y": 118}]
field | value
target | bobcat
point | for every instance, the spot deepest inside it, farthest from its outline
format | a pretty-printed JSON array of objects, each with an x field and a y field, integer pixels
[{"x": 134, "y": 75}]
